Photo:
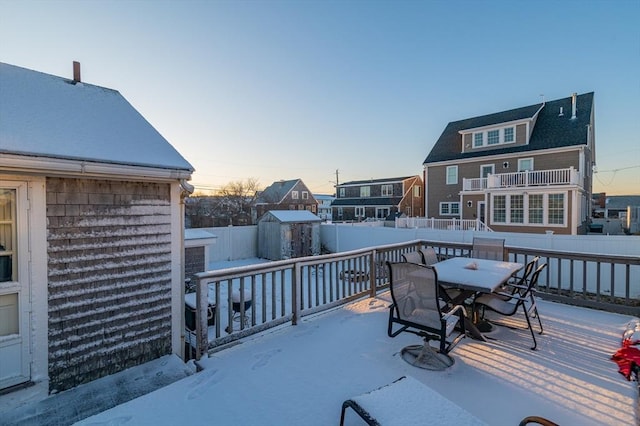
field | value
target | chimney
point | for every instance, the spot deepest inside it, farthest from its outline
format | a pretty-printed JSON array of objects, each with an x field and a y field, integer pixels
[
  {"x": 76, "y": 72},
  {"x": 573, "y": 105}
]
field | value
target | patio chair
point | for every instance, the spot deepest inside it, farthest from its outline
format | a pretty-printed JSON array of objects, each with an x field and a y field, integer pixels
[
  {"x": 412, "y": 257},
  {"x": 419, "y": 309},
  {"x": 429, "y": 255},
  {"x": 508, "y": 304},
  {"x": 520, "y": 281},
  {"x": 488, "y": 248},
  {"x": 536, "y": 420}
]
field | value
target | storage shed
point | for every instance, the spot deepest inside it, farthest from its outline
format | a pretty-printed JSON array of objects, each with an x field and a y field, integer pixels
[{"x": 284, "y": 234}]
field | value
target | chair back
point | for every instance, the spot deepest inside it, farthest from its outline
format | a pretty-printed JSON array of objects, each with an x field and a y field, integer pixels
[
  {"x": 415, "y": 294},
  {"x": 488, "y": 248},
  {"x": 523, "y": 280},
  {"x": 530, "y": 286},
  {"x": 429, "y": 255},
  {"x": 412, "y": 257}
]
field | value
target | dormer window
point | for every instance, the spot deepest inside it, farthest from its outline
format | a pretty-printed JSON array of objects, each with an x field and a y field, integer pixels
[
  {"x": 493, "y": 137},
  {"x": 508, "y": 135},
  {"x": 478, "y": 140}
]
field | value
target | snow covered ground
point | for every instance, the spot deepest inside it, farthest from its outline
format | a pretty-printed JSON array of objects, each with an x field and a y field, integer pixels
[{"x": 301, "y": 375}]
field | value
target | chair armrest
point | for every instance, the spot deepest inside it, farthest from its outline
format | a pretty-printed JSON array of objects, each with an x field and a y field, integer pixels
[{"x": 453, "y": 310}]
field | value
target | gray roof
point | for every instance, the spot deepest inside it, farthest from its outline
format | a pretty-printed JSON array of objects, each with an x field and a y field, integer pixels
[
  {"x": 622, "y": 201},
  {"x": 287, "y": 216},
  {"x": 43, "y": 115},
  {"x": 276, "y": 191},
  {"x": 376, "y": 181},
  {"x": 550, "y": 131}
]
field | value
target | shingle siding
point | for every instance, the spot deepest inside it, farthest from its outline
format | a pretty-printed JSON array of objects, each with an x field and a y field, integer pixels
[{"x": 109, "y": 273}]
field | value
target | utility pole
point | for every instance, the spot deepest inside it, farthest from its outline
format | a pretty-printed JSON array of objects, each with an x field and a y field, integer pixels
[{"x": 337, "y": 180}]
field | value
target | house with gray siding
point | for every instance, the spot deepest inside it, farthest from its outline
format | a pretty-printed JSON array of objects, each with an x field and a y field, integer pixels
[
  {"x": 528, "y": 169},
  {"x": 91, "y": 234},
  {"x": 285, "y": 195},
  {"x": 378, "y": 198}
]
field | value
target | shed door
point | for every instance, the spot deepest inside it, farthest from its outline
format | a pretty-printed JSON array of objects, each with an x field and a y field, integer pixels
[{"x": 14, "y": 286}]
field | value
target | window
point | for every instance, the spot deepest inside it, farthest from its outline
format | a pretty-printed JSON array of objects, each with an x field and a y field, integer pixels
[
  {"x": 478, "y": 139},
  {"x": 340, "y": 211},
  {"x": 536, "y": 208},
  {"x": 341, "y": 192},
  {"x": 556, "y": 209},
  {"x": 382, "y": 212},
  {"x": 7, "y": 235},
  {"x": 452, "y": 175},
  {"x": 525, "y": 164},
  {"x": 450, "y": 209},
  {"x": 500, "y": 209},
  {"x": 417, "y": 190},
  {"x": 486, "y": 170},
  {"x": 294, "y": 195},
  {"x": 365, "y": 191},
  {"x": 493, "y": 137},
  {"x": 305, "y": 195},
  {"x": 516, "y": 210},
  {"x": 387, "y": 190},
  {"x": 359, "y": 212},
  {"x": 508, "y": 135},
  {"x": 529, "y": 209}
]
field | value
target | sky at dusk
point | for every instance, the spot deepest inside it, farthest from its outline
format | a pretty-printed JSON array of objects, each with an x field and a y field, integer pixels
[{"x": 299, "y": 89}]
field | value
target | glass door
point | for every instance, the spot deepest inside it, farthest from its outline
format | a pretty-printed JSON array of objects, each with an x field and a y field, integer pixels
[{"x": 14, "y": 353}]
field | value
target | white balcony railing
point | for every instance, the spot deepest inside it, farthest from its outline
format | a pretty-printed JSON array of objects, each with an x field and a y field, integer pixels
[{"x": 569, "y": 176}]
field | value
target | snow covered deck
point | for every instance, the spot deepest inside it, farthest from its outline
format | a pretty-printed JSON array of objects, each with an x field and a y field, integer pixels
[{"x": 295, "y": 375}]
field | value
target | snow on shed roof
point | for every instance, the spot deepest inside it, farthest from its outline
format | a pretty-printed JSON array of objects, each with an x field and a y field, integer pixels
[
  {"x": 49, "y": 116},
  {"x": 294, "y": 216}
]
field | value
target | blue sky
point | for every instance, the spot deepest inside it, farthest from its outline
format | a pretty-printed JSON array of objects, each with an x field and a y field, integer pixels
[{"x": 299, "y": 89}]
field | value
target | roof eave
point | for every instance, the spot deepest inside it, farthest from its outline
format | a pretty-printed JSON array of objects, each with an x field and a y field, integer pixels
[{"x": 87, "y": 169}]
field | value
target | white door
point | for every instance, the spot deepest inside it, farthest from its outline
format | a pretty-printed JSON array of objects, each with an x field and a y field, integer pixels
[{"x": 15, "y": 359}]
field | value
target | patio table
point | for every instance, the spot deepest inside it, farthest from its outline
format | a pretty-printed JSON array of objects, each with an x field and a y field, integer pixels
[{"x": 472, "y": 276}]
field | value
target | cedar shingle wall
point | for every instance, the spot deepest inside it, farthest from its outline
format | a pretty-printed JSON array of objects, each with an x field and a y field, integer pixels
[
  {"x": 109, "y": 272},
  {"x": 193, "y": 260}
]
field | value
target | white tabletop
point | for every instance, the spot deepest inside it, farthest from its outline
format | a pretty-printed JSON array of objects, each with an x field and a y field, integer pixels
[{"x": 488, "y": 275}]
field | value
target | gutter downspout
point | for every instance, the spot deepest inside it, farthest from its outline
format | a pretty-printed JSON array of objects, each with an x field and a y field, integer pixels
[{"x": 186, "y": 189}]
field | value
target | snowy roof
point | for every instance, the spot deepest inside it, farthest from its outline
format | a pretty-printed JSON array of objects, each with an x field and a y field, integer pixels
[
  {"x": 294, "y": 216},
  {"x": 47, "y": 116}
]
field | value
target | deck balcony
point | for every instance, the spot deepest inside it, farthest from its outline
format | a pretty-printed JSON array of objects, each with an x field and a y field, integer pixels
[
  {"x": 527, "y": 179},
  {"x": 315, "y": 335}
]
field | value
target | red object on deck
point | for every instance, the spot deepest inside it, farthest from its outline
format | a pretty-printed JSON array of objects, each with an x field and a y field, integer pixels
[{"x": 628, "y": 356}]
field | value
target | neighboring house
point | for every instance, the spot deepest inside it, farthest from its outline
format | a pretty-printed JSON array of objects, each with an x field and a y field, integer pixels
[
  {"x": 285, "y": 234},
  {"x": 91, "y": 227},
  {"x": 324, "y": 206},
  {"x": 524, "y": 170},
  {"x": 285, "y": 195},
  {"x": 378, "y": 198}
]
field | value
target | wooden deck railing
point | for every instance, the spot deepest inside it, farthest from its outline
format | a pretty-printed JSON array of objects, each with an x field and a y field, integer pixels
[{"x": 284, "y": 291}]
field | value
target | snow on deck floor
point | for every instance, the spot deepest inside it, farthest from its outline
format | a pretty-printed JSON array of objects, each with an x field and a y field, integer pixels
[{"x": 301, "y": 375}]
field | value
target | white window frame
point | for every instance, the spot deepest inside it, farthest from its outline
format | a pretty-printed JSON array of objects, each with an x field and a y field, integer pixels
[
  {"x": 365, "y": 191},
  {"x": 478, "y": 139},
  {"x": 385, "y": 212},
  {"x": 305, "y": 195},
  {"x": 446, "y": 208},
  {"x": 522, "y": 162},
  {"x": 294, "y": 195},
  {"x": 417, "y": 191},
  {"x": 484, "y": 167},
  {"x": 342, "y": 192},
  {"x": 495, "y": 133},
  {"x": 386, "y": 190},
  {"x": 513, "y": 134},
  {"x": 451, "y": 175},
  {"x": 358, "y": 211},
  {"x": 526, "y": 222}
]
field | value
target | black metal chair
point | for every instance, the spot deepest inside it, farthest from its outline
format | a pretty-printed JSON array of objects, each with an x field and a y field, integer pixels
[
  {"x": 419, "y": 309},
  {"x": 429, "y": 255},
  {"x": 488, "y": 248},
  {"x": 508, "y": 304}
]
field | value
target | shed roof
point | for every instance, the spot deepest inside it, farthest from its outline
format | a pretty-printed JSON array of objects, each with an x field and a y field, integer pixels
[
  {"x": 43, "y": 115},
  {"x": 288, "y": 216}
]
